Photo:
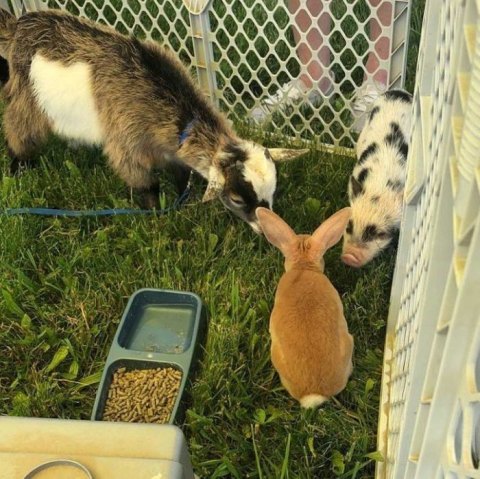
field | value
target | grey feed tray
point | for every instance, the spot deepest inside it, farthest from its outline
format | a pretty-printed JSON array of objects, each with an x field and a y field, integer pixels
[{"x": 159, "y": 329}]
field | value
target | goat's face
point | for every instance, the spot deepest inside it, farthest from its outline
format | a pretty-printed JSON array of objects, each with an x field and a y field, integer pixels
[
  {"x": 249, "y": 184},
  {"x": 243, "y": 176}
]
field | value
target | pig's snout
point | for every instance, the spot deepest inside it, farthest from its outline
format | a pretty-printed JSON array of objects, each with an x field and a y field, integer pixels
[
  {"x": 351, "y": 260},
  {"x": 354, "y": 257}
]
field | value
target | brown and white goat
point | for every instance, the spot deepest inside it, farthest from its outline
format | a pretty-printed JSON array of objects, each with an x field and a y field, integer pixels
[{"x": 90, "y": 84}]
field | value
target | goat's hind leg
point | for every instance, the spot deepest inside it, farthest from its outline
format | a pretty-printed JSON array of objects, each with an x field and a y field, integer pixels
[{"x": 26, "y": 128}]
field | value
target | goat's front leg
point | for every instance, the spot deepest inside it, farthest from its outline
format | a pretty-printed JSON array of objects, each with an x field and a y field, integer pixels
[
  {"x": 181, "y": 175},
  {"x": 148, "y": 198},
  {"x": 133, "y": 170}
]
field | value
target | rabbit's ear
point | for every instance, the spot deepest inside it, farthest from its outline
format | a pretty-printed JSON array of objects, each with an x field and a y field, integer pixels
[
  {"x": 330, "y": 232},
  {"x": 276, "y": 230}
]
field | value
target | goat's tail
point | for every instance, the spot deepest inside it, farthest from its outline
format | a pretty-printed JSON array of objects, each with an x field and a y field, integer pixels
[{"x": 8, "y": 24}]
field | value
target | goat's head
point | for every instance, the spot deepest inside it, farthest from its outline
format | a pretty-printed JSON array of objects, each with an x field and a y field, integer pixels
[{"x": 243, "y": 176}]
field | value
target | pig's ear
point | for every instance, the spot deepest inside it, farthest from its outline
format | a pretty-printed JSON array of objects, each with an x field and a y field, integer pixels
[{"x": 356, "y": 187}]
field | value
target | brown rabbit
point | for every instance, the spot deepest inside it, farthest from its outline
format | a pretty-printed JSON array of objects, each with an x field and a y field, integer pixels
[{"x": 311, "y": 346}]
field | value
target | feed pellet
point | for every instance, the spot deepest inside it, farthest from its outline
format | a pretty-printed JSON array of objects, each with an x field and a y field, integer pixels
[{"x": 142, "y": 395}]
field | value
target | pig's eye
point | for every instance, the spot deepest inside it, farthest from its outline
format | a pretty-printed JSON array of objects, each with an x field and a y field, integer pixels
[{"x": 369, "y": 233}]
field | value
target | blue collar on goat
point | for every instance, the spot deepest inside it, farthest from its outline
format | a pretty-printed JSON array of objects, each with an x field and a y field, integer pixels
[{"x": 184, "y": 134}]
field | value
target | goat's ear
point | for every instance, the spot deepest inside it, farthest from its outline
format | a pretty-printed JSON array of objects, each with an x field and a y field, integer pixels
[
  {"x": 212, "y": 192},
  {"x": 216, "y": 182},
  {"x": 286, "y": 154}
]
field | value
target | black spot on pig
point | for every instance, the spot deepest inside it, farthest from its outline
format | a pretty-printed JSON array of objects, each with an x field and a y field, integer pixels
[
  {"x": 395, "y": 134},
  {"x": 398, "y": 95},
  {"x": 362, "y": 176},
  {"x": 373, "y": 113},
  {"x": 395, "y": 185},
  {"x": 356, "y": 187},
  {"x": 367, "y": 153},
  {"x": 397, "y": 139},
  {"x": 349, "y": 229}
]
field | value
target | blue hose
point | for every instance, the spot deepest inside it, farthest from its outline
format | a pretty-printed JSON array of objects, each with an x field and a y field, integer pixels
[{"x": 180, "y": 200}]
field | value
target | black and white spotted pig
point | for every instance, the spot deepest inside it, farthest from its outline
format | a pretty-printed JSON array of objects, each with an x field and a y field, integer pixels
[{"x": 377, "y": 183}]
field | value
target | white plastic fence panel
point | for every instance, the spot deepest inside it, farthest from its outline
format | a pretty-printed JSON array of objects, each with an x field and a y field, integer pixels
[
  {"x": 4, "y": 4},
  {"x": 252, "y": 56},
  {"x": 267, "y": 51},
  {"x": 430, "y": 412}
]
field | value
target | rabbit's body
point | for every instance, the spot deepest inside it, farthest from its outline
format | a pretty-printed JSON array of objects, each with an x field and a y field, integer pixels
[
  {"x": 306, "y": 302},
  {"x": 311, "y": 346}
]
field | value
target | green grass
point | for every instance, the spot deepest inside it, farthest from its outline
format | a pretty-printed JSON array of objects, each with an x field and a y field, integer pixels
[
  {"x": 416, "y": 19},
  {"x": 65, "y": 282}
]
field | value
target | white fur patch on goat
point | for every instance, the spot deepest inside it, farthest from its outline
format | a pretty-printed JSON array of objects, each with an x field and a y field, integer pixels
[
  {"x": 260, "y": 172},
  {"x": 65, "y": 95}
]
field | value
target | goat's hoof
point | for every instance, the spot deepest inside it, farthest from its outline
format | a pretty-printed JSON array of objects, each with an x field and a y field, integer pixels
[
  {"x": 18, "y": 166},
  {"x": 149, "y": 202}
]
